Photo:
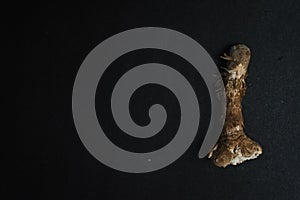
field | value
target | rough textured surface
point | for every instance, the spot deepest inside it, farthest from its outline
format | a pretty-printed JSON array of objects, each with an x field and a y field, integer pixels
[{"x": 234, "y": 146}]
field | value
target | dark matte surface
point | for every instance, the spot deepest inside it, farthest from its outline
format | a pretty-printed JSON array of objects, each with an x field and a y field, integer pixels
[{"x": 52, "y": 162}]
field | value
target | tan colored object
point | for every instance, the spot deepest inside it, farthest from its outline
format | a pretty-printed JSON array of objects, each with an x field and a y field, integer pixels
[{"x": 234, "y": 146}]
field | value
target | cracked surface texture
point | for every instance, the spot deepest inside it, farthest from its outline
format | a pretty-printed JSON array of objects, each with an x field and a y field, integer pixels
[{"x": 234, "y": 146}]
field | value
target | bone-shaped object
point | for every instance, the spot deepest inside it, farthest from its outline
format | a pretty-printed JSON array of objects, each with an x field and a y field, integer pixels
[{"x": 234, "y": 146}]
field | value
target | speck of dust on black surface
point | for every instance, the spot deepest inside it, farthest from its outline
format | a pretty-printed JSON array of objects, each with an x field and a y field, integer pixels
[{"x": 52, "y": 163}]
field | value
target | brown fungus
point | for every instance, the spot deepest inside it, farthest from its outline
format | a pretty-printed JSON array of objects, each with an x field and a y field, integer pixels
[{"x": 234, "y": 146}]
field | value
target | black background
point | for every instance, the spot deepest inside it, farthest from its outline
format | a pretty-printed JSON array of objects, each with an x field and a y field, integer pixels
[{"x": 52, "y": 163}]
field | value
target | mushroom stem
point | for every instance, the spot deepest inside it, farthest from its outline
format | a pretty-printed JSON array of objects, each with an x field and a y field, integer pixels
[{"x": 234, "y": 146}]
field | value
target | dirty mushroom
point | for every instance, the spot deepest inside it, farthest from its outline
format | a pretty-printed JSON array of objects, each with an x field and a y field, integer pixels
[{"x": 234, "y": 146}]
